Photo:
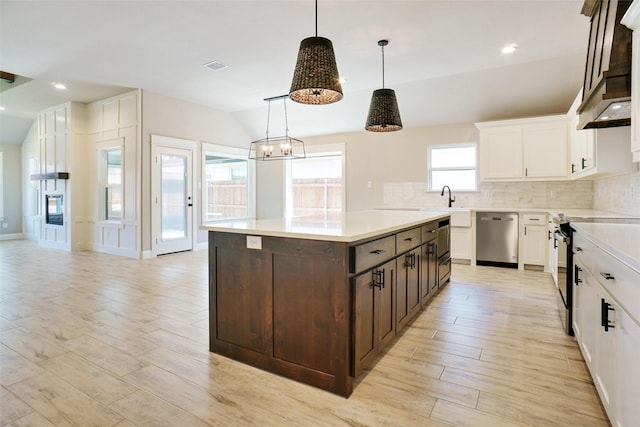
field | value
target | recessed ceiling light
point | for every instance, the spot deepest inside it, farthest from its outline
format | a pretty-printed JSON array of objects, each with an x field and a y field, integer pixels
[
  {"x": 59, "y": 86},
  {"x": 509, "y": 48}
]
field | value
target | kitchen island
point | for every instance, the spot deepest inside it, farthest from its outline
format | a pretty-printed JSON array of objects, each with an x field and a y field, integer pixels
[{"x": 316, "y": 299}]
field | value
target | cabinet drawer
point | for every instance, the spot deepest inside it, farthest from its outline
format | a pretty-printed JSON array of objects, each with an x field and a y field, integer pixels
[
  {"x": 444, "y": 271},
  {"x": 429, "y": 231},
  {"x": 533, "y": 219},
  {"x": 372, "y": 253},
  {"x": 408, "y": 240},
  {"x": 619, "y": 280}
]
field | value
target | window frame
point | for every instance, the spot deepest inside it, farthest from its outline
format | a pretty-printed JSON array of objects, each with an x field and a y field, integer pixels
[
  {"x": 319, "y": 150},
  {"x": 234, "y": 153},
  {"x": 102, "y": 148},
  {"x": 430, "y": 169}
]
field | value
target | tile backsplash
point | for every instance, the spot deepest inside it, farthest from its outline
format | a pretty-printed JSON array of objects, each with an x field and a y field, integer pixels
[
  {"x": 548, "y": 194},
  {"x": 620, "y": 193}
]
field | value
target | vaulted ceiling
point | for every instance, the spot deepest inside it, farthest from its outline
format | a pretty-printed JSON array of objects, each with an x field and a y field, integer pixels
[{"x": 443, "y": 59}]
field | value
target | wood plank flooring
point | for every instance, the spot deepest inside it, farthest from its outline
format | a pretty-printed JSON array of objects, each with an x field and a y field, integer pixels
[{"x": 90, "y": 339}]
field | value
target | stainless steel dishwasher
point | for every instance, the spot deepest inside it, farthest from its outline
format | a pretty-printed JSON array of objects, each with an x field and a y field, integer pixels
[{"x": 497, "y": 239}]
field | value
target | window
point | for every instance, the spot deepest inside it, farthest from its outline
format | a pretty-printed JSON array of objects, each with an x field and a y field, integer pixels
[
  {"x": 228, "y": 183},
  {"x": 111, "y": 179},
  {"x": 315, "y": 185},
  {"x": 1, "y": 188},
  {"x": 453, "y": 165}
]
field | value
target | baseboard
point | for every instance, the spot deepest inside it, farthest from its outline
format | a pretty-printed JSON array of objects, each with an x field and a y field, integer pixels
[
  {"x": 12, "y": 236},
  {"x": 147, "y": 254}
]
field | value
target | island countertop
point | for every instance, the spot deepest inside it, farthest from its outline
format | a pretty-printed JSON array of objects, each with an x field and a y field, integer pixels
[{"x": 346, "y": 227}]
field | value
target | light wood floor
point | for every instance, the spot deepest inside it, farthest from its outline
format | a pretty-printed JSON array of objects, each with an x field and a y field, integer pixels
[{"x": 90, "y": 339}]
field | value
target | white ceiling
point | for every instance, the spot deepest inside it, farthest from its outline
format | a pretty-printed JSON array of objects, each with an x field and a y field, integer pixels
[{"x": 443, "y": 59}]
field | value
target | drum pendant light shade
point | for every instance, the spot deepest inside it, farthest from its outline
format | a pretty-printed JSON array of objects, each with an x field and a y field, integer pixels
[
  {"x": 316, "y": 79},
  {"x": 384, "y": 115}
]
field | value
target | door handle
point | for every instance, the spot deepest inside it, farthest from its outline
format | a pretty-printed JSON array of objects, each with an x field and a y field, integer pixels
[{"x": 189, "y": 201}]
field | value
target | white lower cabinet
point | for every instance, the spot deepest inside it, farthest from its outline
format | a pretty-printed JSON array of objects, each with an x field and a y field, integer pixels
[
  {"x": 607, "y": 333},
  {"x": 533, "y": 238},
  {"x": 461, "y": 242}
]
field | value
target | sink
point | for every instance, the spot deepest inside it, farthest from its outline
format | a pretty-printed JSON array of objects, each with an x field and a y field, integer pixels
[{"x": 460, "y": 217}]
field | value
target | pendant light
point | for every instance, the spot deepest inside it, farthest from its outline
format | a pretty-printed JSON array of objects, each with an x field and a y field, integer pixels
[
  {"x": 279, "y": 147},
  {"x": 384, "y": 115},
  {"x": 316, "y": 79}
]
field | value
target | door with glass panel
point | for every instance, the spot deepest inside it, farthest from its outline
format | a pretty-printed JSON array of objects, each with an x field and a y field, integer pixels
[{"x": 172, "y": 200}]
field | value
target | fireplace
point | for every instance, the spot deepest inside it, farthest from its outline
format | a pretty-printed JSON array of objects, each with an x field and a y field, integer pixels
[{"x": 54, "y": 214}]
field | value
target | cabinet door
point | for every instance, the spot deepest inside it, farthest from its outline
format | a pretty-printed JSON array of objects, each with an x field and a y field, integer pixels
[
  {"x": 628, "y": 370},
  {"x": 461, "y": 242},
  {"x": 402, "y": 292},
  {"x": 428, "y": 271},
  {"x": 533, "y": 245},
  {"x": 413, "y": 284},
  {"x": 365, "y": 329},
  {"x": 545, "y": 149},
  {"x": 501, "y": 151},
  {"x": 588, "y": 316},
  {"x": 605, "y": 359},
  {"x": 385, "y": 310}
]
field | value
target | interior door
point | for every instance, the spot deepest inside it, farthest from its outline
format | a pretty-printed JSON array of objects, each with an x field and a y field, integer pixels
[{"x": 172, "y": 199}]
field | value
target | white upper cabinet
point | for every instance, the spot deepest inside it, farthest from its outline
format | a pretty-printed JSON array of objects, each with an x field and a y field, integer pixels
[
  {"x": 632, "y": 20},
  {"x": 598, "y": 152},
  {"x": 524, "y": 149}
]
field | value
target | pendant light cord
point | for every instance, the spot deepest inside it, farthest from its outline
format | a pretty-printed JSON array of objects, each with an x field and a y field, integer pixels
[
  {"x": 268, "y": 114},
  {"x": 382, "y": 67}
]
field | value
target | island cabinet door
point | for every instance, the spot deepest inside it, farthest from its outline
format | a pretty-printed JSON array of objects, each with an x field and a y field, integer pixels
[
  {"x": 408, "y": 287},
  {"x": 428, "y": 271},
  {"x": 374, "y": 313},
  {"x": 240, "y": 298}
]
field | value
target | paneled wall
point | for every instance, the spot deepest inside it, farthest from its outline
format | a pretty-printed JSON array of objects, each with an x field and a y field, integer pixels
[
  {"x": 115, "y": 122},
  {"x": 61, "y": 140}
]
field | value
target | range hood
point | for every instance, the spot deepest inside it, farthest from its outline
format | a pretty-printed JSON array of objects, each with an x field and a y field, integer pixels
[{"x": 606, "y": 100}]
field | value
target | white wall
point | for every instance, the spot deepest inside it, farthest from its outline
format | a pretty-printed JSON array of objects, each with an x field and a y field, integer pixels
[
  {"x": 379, "y": 158},
  {"x": 167, "y": 116},
  {"x": 620, "y": 193}
]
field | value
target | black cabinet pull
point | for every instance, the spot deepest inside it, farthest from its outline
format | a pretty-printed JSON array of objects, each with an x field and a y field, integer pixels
[
  {"x": 410, "y": 260},
  {"x": 555, "y": 244},
  {"x": 605, "y": 308},
  {"x": 378, "y": 279},
  {"x": 377, "y": 251},
  {"x": 549, "y": 231},
  {"x": 607, "y": 276},
  {"x": 576, "y": 274},
  {"x": 409, "y": 239},
  {"x": 578, "y": 249},
  {"x": 583, "y": 163},
  {"x": 573, "y": 168}
]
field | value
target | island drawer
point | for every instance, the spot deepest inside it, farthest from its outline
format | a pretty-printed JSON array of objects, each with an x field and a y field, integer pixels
[
  {"x": 429, "y": 231},
  {"x": 372, "y": 253},
  {"x": 407, "y": 240}
]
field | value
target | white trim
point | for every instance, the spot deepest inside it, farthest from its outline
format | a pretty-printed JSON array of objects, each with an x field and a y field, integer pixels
[{"x": 12, "y": 236}]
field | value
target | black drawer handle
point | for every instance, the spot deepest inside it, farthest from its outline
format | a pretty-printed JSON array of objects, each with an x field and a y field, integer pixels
[
  {"x": 607, "y": 276},
  {"x": 605, "y": 308},
  {"x": 378, "y": 279},
  {"x": 409, "y": 239},
  {"x": 578, "y": 249},
  {"x": 576, "y": 275},
  {"x": 377, "y": 251}
]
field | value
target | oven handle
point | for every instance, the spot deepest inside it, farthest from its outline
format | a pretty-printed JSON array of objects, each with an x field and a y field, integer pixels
[{"x": 560, "y": 236}]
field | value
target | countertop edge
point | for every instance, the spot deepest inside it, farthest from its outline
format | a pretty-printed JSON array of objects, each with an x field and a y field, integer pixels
[{"x": 610, "y": 248}]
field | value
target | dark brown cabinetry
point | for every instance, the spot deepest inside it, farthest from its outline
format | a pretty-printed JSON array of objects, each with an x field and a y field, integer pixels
[
  {"x": 374, "y": 313},
  {"x": 429, "y": 262},
  {"x": 316, "y": 311}
]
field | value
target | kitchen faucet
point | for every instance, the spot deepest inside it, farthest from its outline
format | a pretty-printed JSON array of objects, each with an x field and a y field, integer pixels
[{"x": 451, "y": 199}]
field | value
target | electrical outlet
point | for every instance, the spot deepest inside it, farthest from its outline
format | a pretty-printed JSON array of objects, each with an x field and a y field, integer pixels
[{"x": 254, "y": 242}]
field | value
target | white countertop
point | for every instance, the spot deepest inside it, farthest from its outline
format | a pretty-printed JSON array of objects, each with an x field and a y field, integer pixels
[
  {"x": 622, "y": 241},
  {"x": 347, "y": 227}
]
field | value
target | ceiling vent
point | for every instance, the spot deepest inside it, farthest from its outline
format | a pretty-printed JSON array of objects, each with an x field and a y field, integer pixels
[
  {"x": 215, "y": 65},
  {"x": 607, "y": 77}
]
